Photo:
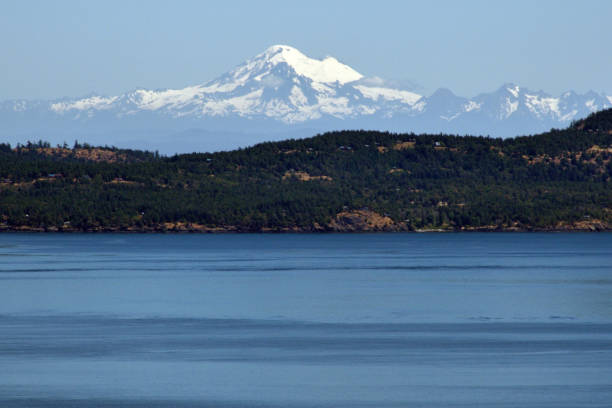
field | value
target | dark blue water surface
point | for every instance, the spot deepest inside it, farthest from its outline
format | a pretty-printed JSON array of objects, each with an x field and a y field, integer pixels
[{"x": 364, "y": 320}]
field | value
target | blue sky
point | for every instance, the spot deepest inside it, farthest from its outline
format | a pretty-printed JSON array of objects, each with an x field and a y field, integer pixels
[{"x": 71, "y": 48}]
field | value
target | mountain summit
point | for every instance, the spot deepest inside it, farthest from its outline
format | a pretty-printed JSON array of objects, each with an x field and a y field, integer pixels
[
  {"x": 328, "y": 70},
  {"x": 282, "y": 91}
]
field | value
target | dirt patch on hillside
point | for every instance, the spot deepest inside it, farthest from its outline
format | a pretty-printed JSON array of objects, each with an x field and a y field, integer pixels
[
  {"x": 304, "y": 176},
  {"x": 92, "y": 154},
  {"x": 404, "y": 145},
  {"x": 362, "y": 220}
]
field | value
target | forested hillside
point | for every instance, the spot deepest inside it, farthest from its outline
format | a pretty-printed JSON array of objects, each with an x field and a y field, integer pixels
[{"x": 339, "y": 181}]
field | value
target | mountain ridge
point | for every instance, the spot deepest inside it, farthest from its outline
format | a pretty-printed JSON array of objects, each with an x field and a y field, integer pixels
[{"x": 282, "y": 90}]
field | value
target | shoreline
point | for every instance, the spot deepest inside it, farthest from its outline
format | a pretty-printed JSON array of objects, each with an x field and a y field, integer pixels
[
  {"x": 355, "y": 221},
  {"x": 40, "y": 230}
]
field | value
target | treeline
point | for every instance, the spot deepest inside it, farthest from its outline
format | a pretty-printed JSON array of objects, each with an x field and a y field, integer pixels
[{"x": 561, "y": 177}]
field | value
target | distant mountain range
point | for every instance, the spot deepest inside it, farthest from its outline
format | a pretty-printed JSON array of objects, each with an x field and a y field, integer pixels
[{"x": 283, "y": 93}]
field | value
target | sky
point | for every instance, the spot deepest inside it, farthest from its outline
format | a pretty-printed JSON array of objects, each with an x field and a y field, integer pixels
[{"x": 73, "y": 48}]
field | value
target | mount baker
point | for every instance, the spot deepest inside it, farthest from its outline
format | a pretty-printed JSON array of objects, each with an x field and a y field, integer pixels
[{"x": 283, "y": 93}]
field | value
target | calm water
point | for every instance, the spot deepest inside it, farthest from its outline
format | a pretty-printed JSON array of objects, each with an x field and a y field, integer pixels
[{"x": 382, "y": 320}]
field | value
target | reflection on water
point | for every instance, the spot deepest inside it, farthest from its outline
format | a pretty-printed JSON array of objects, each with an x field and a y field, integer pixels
[{"x": 372, "y": 320}]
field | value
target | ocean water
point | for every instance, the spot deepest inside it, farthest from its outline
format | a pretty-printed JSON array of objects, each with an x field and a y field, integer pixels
[{"x": 357, "y": 320}]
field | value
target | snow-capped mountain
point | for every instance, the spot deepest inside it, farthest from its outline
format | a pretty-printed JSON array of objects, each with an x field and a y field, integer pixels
[
  {"x": 280, "y": 83},
  {"x": 280, "y": 92}
]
